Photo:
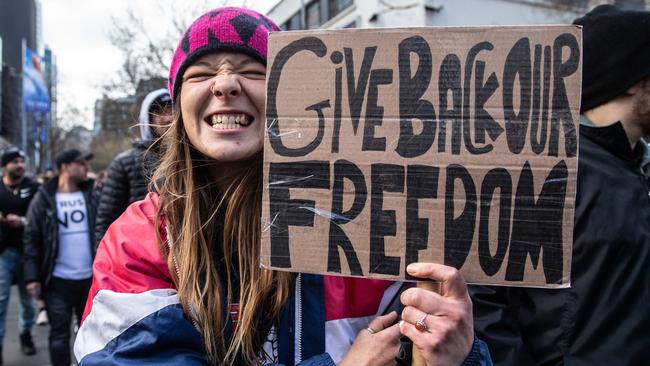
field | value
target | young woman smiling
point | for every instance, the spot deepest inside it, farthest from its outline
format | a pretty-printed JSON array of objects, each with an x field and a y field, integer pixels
[{"x": 177, "y": 278}]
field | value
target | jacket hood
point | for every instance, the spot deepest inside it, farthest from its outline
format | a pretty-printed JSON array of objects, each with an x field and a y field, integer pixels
[{"x": 146, "y": 133}]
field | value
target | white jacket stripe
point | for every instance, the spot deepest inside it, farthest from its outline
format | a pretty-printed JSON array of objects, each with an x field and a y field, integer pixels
[{"x": 113, "y": 312}]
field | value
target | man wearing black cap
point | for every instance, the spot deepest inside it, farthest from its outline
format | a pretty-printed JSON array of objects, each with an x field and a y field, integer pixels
[
  {"x": 127, "y": 178},
  {"x": 58, "y": 248},
  {"x": 16, "y": 191},
  {"x": 604, "y": 318}
]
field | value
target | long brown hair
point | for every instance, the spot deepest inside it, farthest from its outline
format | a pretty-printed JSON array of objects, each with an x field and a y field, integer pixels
[{"x": 192, "y": 209}]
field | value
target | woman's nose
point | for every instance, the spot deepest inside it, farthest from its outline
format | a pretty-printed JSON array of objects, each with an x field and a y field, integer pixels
[{"x": 226, "y": 86}]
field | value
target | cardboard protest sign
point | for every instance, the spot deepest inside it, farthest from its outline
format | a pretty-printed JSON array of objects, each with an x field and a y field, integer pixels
[{"x": 451, "y": 145}]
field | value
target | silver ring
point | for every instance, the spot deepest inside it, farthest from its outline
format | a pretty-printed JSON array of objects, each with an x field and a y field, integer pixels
[{"x": 370, "y": 330}]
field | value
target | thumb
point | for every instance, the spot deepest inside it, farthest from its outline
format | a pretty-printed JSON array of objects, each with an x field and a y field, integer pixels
[
  {"x": 452, "y": 281},
  {"x": 384, "y": 321}
]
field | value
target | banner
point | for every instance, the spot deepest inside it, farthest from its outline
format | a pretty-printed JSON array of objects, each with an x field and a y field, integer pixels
[
  {"x": 450, "y": 145},
  {"x": 35, "y": 95}
]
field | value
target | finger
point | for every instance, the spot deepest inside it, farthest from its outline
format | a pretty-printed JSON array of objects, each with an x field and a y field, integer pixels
[
  {"x": 427, "y": 301},
  {"x": 412, "y": 315},
  {"x": 453, "y": 283},
  {"x": 444, "y": 339},
  {"x": 419, "y": 339},
  {"x": 382, "y": 322},
  {"x": 393, "y": 332},
  {"x": 387, "y": 345},
  {"x": 439, "y": 332}
]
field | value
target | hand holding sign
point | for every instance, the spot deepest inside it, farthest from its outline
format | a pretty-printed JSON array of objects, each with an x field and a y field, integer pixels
[
  {"x": 376, "y": 345},
  {"x": 448, "y": 332}
]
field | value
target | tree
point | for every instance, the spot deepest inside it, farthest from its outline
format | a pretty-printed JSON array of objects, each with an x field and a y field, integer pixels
[
  {"x": 105, "y": 146},
  {"x": 146, "y": 49},
  {"x": 63, "y": 132}
]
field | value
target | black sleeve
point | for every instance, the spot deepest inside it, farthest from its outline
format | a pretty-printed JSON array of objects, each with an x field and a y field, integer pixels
[
  {"x": 497, "y": 323},
  {"x": 3, "y": 241},
  {"x": 114, "y": 197},
  {"x": 33, "y": 245}
]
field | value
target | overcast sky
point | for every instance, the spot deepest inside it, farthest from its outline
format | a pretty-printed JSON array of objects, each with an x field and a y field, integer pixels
[{"x": 76, "y": 31}]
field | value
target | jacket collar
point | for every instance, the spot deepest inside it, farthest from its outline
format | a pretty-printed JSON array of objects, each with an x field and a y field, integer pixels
[{"x": 614, "y": 139}]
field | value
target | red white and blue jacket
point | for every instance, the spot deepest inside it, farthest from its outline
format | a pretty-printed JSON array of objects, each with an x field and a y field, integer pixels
[{"x": 133, "y": 315}]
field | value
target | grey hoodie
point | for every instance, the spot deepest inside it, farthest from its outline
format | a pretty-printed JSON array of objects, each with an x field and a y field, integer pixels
[{"x": 146, "y": 132}]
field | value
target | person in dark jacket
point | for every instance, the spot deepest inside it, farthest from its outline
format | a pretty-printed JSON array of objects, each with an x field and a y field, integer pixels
[
  {"x": 58, "y": 248},
  {"x": 603, "y": 319},
  {"x": 16, "y": 191},
  {"x": 127, "y": 177}
]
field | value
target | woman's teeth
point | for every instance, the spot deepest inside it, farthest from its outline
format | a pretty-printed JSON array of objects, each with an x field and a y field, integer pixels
[{"x": 230, "y": 121}]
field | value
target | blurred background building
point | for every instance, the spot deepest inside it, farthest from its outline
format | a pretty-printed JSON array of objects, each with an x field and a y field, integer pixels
[
  {"x": 120, "y": 115},
  {"x": 29, "y": 78},
  {"x": 313, "y": 14},
  {"x": 114, "y": 115}
]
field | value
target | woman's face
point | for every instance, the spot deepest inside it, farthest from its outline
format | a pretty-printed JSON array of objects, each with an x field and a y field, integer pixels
[{"x": 222, "y": 104}]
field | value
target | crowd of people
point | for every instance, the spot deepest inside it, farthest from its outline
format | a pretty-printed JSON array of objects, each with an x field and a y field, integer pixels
[{"x": 159, "y": 264}]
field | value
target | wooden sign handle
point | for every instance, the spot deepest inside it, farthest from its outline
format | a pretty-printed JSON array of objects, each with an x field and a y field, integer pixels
[{"x": 417, "y": 359}]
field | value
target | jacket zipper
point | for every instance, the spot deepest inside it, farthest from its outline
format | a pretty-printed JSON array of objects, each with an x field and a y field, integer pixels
[
  {"x": 298, "y": 325},
  {"x": 178, "y": 275},
  {"x": 55, "y": 239}
]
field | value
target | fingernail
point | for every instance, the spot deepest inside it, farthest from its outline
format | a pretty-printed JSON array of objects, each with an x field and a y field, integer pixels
[
  {"x": 401, "y": 324},
  {"x": 413, "y": 268}
]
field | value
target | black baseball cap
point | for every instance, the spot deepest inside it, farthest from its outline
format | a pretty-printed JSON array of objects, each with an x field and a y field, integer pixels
[
  {"x": 71, "y": 155},
  {"x": 10, "y": 154}
]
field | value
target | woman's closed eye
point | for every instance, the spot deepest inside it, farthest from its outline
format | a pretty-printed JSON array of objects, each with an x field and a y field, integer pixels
[
  {"x": 197, "y": 76},
  {"x": 253, "y": 74},
  {"x": 198, "y": 73}
]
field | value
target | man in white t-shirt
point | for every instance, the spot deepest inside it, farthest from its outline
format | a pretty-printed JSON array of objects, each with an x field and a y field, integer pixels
[{"x": 58, "y": 248}]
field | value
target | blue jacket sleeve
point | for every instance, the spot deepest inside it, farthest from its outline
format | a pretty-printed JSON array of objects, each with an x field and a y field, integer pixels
[
  {"x": 479, "y": 355},
  {"x": 323, "y": 359},
  {"x": 318, "y": 360},
  {"x": 164, "y": 338}
]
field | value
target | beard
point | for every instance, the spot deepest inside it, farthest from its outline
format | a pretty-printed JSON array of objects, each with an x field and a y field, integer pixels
[
  {"x": 646, "y": 132},
  {"x": 641, "y": 108},
  {"x": 16, "y": 174},
  {"x": 79, "y": 179}
]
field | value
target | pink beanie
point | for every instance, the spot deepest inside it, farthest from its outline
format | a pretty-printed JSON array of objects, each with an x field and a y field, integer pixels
[{"x": 221, "y": 29}]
